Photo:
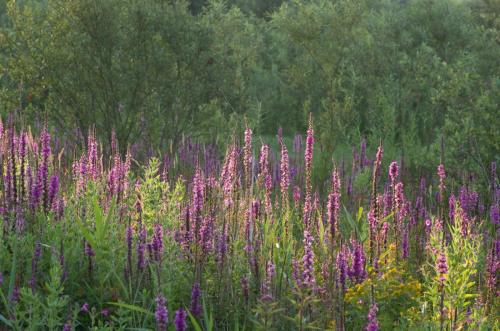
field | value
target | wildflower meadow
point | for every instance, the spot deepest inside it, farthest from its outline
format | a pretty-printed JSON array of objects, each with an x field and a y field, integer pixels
[{"x": 93, "y": 239}]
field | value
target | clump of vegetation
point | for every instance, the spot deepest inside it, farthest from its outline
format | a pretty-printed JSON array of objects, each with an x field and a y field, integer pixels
[{"x": 238, "y": 245}]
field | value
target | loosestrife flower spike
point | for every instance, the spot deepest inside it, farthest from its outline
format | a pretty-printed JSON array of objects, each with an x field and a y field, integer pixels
[
  {"x": 372, "y": 318},
  {"x": 195, "y": 299},
  {"x": 180, "y": 320},
  {"x": 161, "y": 313}
]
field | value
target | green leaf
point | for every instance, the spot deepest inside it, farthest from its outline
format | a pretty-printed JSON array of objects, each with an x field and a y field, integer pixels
[
  {"x": 5, "y": 321},
  {"x": 360, "y": 213},
  {"x": 131, "y": 307},
  {"x": 196, "y": 326},
  {"x": 89, "y": 237}
]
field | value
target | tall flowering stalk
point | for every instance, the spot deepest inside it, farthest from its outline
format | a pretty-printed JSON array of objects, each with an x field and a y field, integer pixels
[
  {"x": 284, "y": 175},
  {"x": 333, "y": 205},
  {"x": 342, "y": 272},
  {"x": 157, "y": 243},
  {"x": 265, "y": 176},
  {"x": 12, "y": 145},
  {"x": 442, "y": 270},
  {"x": 399, "y": 212},
  {"x": 247, "y": 157},
  {"x": 374, "y": 206},
  {"x": 22, "y": 155},
  {"x": 228, "y": 175},
  {"x": 308, "y": 278},
  {"x": 197, "y": 203},
  {"x": 492, "y": 267},
  {"x": 372, "y": 318},
  {"x": 92, "y": 157},
  {"x": 395, "y": 198},
  {"x": 128, "y": 239},
  {"x": 195, "y": 299},
  {"x": 357, "y": 272},
  {"x": 53, "y": 190},
  {"x": 442, "y": 176},
  {"x": 266, "y": 288},
  {"x": 141, "y": 249},
  {"x": 44, "y": 172},
  {"x": 308, "y": 157}
]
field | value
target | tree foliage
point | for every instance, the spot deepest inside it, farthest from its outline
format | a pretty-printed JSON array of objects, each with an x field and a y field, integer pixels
[{"x": 405, "y": 72}]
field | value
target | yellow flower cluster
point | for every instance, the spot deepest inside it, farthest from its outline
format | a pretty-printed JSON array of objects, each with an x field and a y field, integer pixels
[{"x": 390, "y": 285}]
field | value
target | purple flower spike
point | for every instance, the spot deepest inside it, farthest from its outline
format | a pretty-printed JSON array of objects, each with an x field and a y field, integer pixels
[
  {"x": 180, "y": 320},
  {"x": 372, "y": 318},
  {"x": 393, "y": 171},
  {"x": 161, "y": 313},
  {"x": 157, "y": 244},
  {"x": 195, "y": 299},
  {"x": 308, "y": 261},
  {"x": 442, "y": 267},
  {"x": 85, "y": 308}
]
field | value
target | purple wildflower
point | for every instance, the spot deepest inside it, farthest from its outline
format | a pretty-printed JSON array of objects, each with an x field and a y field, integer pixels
[
  {"x": 161, "y": 313},
  {"x": 22, "y": 154},
  {"x": 308, "y": 261},
  {"x": 88, "y": 250},
  {"x": 44, "y": 167},
  {"x": 141, "y": 247},
  {"x": 195, "y": 299},
  {"x": 492, "y": 265},
  {"x": 222, "y": 248},
  {"x": 494, "y": 214},
  {"x": 372, "y": 318},
  {"x": 53, "y": 189},
  {"x": 197, "y": 201},
  {"x": 85, "y": 308},
  {"x": 228, "y": 175},
  {"x": 157, "y": 244},
  {"x": 105, "y": 312},
  {"x": 180, "y": 320},
  {"x": 206, "y": 230},
  {"x": 341, "y": 265},
  {"x": 333, "y": 205},
  {"x": 247, "y": 155},
  {"x": 357, "y": 272},
  {"x": 266, "y": 288},
  {"x": 308, "y": 157},
  {"x": 393, "y": 171},
  {"x": 285, "y": 174},
  {"x": 442, "y": 266},
  {"x": 442, "y": 176},
  {"x": 36, "y": 189},
  {"x": 296, "y": 194}
]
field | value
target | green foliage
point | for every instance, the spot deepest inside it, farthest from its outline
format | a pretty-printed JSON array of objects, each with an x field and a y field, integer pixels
[
  {"x": 458, "y": 289},
  {"x": 155, "y": 70},
  {"x": 395, "y": 294},
  {"x": 49, "y": 309}
]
